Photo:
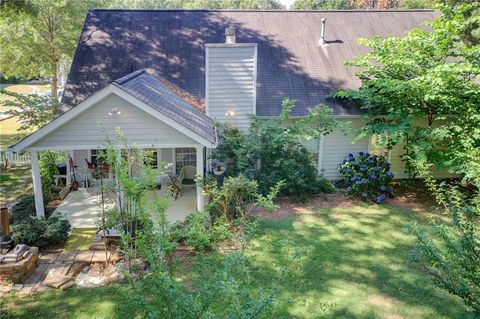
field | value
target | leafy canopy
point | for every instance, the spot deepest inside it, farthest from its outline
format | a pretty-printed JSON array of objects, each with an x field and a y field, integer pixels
[{"x": 423, "y": 91}]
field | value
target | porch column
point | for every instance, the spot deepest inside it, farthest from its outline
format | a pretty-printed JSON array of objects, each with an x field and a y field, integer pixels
[
  {"x": 37, "y": 184},
  {"x": 69, "y": 172},
  {"x": 200, "y": 198}
]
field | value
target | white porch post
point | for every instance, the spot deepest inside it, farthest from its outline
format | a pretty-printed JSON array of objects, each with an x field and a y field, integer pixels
[
  {"x": 200, "y": 199},
  {"x": 37, "y": 184},
  {"x": 69, "y": 171}
]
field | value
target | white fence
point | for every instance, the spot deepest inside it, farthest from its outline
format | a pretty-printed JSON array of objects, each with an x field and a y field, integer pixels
[{"x": 18, "y": 159}]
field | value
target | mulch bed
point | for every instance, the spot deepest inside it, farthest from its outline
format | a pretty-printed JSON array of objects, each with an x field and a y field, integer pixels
[{"x": 412, "y": 195}]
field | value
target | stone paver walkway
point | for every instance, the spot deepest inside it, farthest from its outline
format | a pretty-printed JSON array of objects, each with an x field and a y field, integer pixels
[{"x": 54, "y": 260}]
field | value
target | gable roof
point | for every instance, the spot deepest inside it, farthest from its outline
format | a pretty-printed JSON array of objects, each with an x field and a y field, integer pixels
[
  {"x": 115, "y": 43},
  {"x": 167, "y": 99},
  {"x": 150, "y": 94}
]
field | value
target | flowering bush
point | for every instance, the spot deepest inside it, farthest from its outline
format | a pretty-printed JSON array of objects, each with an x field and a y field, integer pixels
[{"x": 367, "y": 176}]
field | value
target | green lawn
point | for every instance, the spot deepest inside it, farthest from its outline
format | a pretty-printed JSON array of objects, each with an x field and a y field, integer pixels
[
  {"x": 14, "y": 181},
  {"x": 355, "y": 267},
  {"x": 8, "y": 127}
]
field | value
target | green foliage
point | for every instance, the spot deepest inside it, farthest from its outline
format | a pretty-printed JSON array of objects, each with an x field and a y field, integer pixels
[
  {"x": 197, "y": 232},
  {"x": 367, "y": 176},
  {"x": 221, "y": 290},
  {"x": 449, "y": 250},
  {"x": 231, "y": 150},
  {"x": 194, "y": 4},
  {"x": 33, "y": 111},
  {"x": 423, "y": 90},
  {"x": 41, "y": 232},
  {"x": 24, "y": 207},
  {"x": 48, "y": 168},
  {"x": 232, "y": 198},
  {"x": 320, "y": 4},
  {"x": 276, "y": 146},
  {"x": 237, "y": 196}
]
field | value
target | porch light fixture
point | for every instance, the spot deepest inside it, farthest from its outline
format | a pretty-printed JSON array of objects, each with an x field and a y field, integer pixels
[
  {"x": 114, "y": 111},
  {"x": 230, "y": 113}
]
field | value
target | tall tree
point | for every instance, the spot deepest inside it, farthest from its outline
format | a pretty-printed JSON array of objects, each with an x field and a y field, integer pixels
[
  {"x": 320, "y": 4},
  {"x": 423, "y": 90},
  {"x": 39, "y": 37}
]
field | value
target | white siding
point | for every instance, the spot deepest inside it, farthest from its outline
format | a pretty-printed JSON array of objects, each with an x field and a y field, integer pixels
[
  {"x": 336, "y": 146},
  {"x": 91, "y": 128},
  {"x": 231, "y": 84},
  {"x": 397, "y": 165}
]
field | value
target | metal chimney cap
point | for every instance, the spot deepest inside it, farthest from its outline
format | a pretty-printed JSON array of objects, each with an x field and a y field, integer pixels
[{"x": 230, "y": 31}]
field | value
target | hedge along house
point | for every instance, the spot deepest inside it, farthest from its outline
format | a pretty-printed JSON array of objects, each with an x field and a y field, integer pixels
[{"x": 231, "y": 64}]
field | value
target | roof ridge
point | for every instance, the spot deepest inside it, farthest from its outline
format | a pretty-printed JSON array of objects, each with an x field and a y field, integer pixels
[
  {"x": 269, "y": 10},
  {"x": 128, "y": 77}
]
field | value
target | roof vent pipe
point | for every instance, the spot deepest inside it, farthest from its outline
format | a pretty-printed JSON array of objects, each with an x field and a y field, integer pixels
[
  {"x": 230, "y": 35},
  {"x": 322, "y": 41}
]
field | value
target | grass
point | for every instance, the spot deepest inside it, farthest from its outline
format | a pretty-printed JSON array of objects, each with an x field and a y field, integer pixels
[
  {"x": 8, "y": 127},
  {"x": 106, "y": 302},
  {"x": 80, "y": 239},
  {"x": 14, "y": 181},
  {"x": 353, "y": 266}
]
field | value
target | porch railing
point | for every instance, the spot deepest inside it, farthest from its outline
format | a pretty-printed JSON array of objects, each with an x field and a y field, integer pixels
[{"x": 15, "y": 158}]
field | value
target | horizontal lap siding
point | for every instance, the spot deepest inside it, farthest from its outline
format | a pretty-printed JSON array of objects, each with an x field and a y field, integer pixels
[
  {"x": 231, "y": 84},
  {"x": 93, "y": 126},
  {"x": 336, "y": 146},
  {"x": 397, "y": 165}
]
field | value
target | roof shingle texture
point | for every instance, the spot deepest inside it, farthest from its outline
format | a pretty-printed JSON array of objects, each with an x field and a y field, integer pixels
[
  {"x": 155, "y": 93},
  {"x": 115, "y": 43}
]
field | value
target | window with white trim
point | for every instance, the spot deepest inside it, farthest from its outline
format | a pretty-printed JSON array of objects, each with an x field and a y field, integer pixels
[{"x": 185, "y": 156}]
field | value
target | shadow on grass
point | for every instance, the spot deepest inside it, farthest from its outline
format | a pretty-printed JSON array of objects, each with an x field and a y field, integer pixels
[
  {"x": 14, "y": 181},
  {"x": 106, "y": 302},
  {"x": 353, "y": 266}
]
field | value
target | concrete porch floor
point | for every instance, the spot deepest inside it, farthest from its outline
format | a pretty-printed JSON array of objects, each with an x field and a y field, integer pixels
[{"x": 83, "y": 207}]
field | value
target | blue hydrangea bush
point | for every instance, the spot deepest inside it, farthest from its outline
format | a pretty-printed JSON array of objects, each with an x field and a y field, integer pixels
[{"x": 367, "y": 176}]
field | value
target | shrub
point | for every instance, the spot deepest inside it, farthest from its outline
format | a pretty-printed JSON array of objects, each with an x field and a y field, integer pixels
[
  {"x": 291, "y": 162},
  {"x": 272, "y": 152},
  {"x": 197, "y": 232},
  {"x": 367, "y": 176},
  {"x": 230, "y": 199},
  {"x": 40, "y": 232},
  {"x": 23, "y": 208}
]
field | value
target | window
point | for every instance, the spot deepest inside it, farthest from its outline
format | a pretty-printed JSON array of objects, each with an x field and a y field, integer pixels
[
  {"x": 185, "y": 156},
  {"x": 378, "y": 147}
]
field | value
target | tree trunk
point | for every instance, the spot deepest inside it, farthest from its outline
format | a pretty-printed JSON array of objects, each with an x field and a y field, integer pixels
[{"x": 54, "y": 84}]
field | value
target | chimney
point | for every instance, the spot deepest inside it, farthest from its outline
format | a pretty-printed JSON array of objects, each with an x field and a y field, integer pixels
[
  {"x": 230, "y": 35},
  {"x": 322, "y": 41},
  {"x": 231, "y": 81}
]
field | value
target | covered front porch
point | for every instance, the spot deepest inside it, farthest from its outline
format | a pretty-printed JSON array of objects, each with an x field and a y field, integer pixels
[
  {"x": 82, "y": 208},
  {"x": 149, "y": 114}
]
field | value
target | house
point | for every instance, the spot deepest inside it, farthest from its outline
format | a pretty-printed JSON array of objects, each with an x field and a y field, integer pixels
[{"x": 165, "y": 76}]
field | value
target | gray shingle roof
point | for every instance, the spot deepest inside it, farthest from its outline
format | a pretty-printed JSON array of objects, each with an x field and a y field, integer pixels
[
  {"x": 115, "y": 43},
  {"x": 160, "y": 96}
]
